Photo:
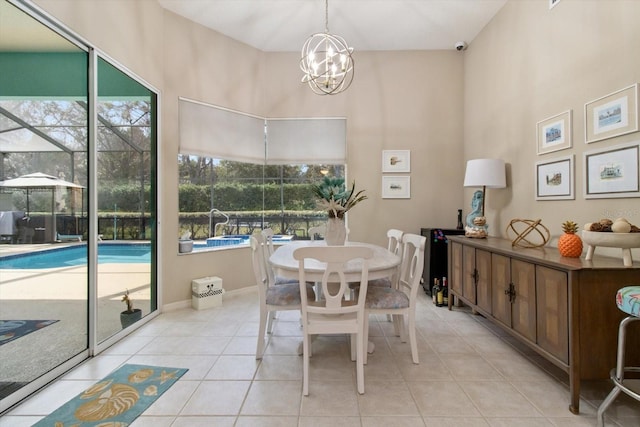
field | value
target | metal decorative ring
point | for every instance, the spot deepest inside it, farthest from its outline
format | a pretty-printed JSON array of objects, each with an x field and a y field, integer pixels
[{"x": 530, "y": 225}]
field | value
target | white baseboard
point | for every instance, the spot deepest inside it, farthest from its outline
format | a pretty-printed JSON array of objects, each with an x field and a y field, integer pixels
[{"x": 180, "y": 305}]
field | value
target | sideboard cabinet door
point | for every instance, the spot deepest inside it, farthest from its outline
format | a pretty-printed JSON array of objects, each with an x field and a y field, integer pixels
[
  {"x": 501, "y": 282},
  {"x": 523, "y": 309},
  {"x": 552, "y": 312},
  {"x": 483, "y": 287},
  {"x": 469, "y": 275},
  {"x": 455, "y": 268},
  {"x": 514, "y": 294}
]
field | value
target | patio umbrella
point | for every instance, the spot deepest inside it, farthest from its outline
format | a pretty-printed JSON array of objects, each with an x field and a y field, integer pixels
[{"x": 40, "y": 181}]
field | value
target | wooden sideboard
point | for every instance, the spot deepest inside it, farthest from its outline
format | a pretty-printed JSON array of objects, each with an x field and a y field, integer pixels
[{"x": 563, "y": 308}]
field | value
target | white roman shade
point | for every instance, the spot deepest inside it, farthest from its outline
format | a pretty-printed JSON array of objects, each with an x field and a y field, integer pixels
[
  {"x": 312, "y": 140},
  {"x": 211, "y": 131},
  {"x": 207, "y": 130}
]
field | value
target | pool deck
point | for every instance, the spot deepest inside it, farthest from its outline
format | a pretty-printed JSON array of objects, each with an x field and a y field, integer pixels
[
  {"x": 61, "y": 294},
  {"x": 7, "y": 249}
]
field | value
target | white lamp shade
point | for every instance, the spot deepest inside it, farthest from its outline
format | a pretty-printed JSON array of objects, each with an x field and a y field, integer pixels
[{"x": 488, "y": 173}]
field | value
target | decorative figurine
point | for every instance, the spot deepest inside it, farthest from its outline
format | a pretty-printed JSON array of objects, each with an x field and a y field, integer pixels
[{"x": 476, "y": 223}]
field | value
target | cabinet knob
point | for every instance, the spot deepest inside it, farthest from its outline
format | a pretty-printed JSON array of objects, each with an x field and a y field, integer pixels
[
  {"x": 475, "y": 275},
  {"x": 511, "y": 291}
]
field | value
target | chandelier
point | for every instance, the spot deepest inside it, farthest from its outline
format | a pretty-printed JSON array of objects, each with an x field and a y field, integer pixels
[{"x": 326, "y": 61}]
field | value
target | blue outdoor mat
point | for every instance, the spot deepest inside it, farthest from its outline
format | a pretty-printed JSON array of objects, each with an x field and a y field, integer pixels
[
  {"x": 13, "y": 329},
  {"x": 116, "y": 400}
]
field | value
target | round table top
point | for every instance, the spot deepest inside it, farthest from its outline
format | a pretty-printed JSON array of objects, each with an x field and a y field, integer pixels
[{"x": 383, "y": 263}]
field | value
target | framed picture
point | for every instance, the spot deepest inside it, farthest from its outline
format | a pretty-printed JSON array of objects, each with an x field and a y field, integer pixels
[
  {"x": 612, "y": 172},
  {"x": 555, "y": 179},
  {"x": 396, "y": 161},
  {"x": 553, "y": 3},
  {"x": 396, "y": 187},
  {"x": 612, "y": 115},
  {"x": 554, "y": 133}
]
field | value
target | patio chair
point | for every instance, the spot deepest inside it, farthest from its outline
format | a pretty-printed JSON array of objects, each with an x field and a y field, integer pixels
[{"x": 68, "y": 237}]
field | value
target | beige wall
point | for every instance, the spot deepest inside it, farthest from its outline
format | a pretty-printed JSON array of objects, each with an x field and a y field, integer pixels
[
  {"x": 531, "y": 63},
  {"x": 398, "y": 101},
  {"x": 445, "y": 106}
]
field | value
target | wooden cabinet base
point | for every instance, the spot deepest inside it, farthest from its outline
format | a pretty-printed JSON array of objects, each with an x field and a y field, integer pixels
[{"x": 570, "y": 317}]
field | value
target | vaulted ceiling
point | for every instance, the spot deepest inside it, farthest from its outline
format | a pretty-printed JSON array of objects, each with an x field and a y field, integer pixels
[{"x": 284, "y": 25}]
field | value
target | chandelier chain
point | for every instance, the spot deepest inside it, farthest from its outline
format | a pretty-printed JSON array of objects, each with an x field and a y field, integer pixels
[{"x": 326, "y": 16}]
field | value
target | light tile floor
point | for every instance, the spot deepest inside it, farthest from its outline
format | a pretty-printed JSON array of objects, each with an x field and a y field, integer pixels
[{"x": 470, "y": 374}]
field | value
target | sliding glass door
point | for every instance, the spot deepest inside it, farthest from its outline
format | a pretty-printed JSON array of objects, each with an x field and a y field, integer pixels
[
  {"x": 125, "y": 139},
  {"x": 77, "y": 201}
]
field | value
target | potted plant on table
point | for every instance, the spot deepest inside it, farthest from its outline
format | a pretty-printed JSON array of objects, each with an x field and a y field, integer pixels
[
  {"x": 336, "y": 200},
  {"x": 130, "y": 315}
]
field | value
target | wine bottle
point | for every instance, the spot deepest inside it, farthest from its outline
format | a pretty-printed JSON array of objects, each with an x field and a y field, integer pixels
[
  {"x": 459, "y": 226},
  {"x": 434, "y": 291},
  {"x": 440, "y": 297},
  {"x": 445, "y": 292}
]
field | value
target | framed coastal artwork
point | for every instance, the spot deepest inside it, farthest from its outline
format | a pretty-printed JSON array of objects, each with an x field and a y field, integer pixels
[
  {"x": 396, "y": 161},
  {"x": 612, "y": 115},
  {"x": 554, "y": 133},
  {"x": 612, "y": 172},
  {"x": 555, "y": 179},
  {"x": 396, "y": 187}
]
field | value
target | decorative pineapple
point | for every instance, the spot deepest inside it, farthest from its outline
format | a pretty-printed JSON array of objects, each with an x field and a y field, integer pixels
[{"x": 570, "y": 244}]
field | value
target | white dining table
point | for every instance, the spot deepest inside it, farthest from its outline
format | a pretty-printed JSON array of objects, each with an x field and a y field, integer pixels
[{"x": 383, "y": 264}]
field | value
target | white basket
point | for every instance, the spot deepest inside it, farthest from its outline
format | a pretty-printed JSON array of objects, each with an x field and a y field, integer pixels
[{"x": 206, "y": 292}]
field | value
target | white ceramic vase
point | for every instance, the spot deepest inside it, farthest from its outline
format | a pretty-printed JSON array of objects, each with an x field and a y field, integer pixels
[{"x": 336, "y": 233}]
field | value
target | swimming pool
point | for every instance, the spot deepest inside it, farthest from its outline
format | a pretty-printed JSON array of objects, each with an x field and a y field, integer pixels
[
  {"x": 234, "y": 240},
  {"x": 69, "y": 256},
  {"x": 115, "y": 253}
]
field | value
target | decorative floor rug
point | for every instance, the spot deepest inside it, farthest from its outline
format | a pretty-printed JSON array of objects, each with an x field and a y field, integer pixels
[
  {"x": 116, "y": 400},
  {"x": 13, "y": 329}
]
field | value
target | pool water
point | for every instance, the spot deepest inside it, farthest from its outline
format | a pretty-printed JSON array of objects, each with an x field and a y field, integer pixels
[
  {"x": 236, "y": 239},
  {"x": 126, "y": 253}
]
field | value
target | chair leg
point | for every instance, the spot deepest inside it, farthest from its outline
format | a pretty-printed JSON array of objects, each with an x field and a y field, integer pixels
[
  {"x": 365, "y": 337},
  {"x": 400, "y": 326},
  {"x": 261, "y": 331},
  {"x": 305, "y": 365},
  {"x": 353, "y": 346},
  {"x": 412, "y": 336},
  {"x": 271, "y": 317},
  {"x": 619, "y": 371},
  {"x": 360, "y": 355},
  {"x": 396, "y": 324}
]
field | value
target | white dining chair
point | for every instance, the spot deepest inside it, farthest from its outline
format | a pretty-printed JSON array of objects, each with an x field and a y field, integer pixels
[
  {"x": 317, "y": 232},
  {"x": 394, "y": 245},
  {"x": 272, "y": 298},
  {"x": 267, "y": 235},
  {"x": 334, "y": 313},
  {"x": 400, "y": 301}
]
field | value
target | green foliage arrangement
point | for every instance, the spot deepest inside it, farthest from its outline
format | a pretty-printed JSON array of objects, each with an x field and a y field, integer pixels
[{"x": 335, "y": 198}]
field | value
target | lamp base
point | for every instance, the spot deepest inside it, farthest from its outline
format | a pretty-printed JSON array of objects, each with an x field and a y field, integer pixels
[{"x": 479, "y": 229}]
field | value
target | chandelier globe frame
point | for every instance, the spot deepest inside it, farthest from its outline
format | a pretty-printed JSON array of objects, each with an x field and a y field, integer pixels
[{"x": 327, "y": 61}]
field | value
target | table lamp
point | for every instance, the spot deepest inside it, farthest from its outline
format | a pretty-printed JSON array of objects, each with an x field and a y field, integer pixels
[{"x": 482, "y": 173}]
